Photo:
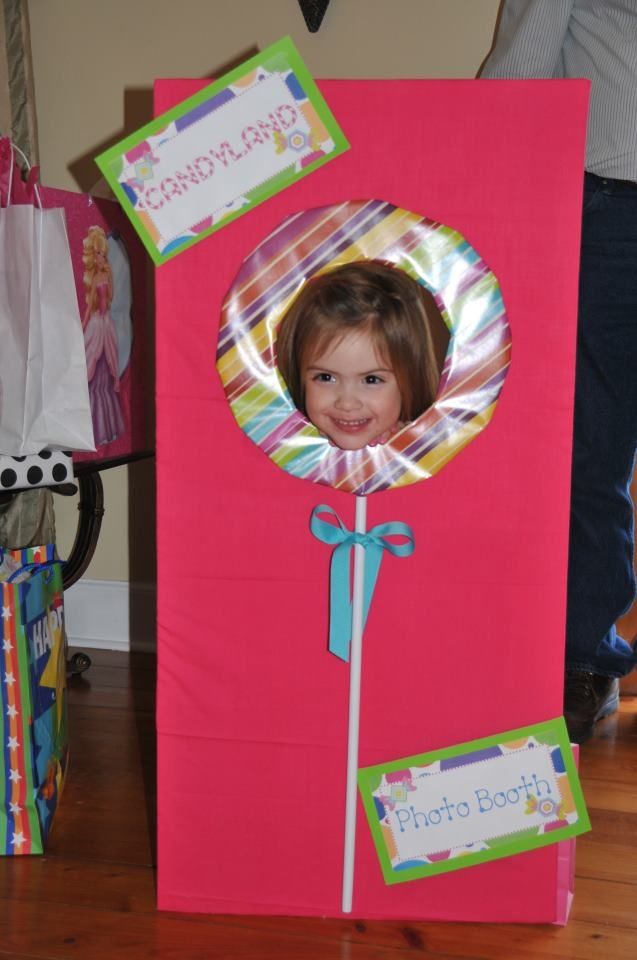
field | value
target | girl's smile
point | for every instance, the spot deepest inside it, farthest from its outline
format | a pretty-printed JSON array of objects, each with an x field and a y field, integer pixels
[{"x": 351, "y": 394}]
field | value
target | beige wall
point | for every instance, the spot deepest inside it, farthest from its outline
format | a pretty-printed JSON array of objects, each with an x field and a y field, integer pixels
[{"x": 94, "y": 65}]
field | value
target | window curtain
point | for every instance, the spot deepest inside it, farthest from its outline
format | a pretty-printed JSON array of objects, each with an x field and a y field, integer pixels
[{"x": 17, "y": 99}]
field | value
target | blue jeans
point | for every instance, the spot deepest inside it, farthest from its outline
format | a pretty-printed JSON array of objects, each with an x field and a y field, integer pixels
[{"x": 601, "y": 581}]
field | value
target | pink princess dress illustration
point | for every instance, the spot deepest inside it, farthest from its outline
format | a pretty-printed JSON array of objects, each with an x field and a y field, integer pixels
[{"x": 100, "y": 340}]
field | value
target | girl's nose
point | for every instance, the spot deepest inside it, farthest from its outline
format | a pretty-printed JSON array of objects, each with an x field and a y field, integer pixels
[{"x": 347, "y": 398}]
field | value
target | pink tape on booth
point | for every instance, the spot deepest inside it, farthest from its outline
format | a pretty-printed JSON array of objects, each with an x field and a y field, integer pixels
[{"x": 464, "y": 639}]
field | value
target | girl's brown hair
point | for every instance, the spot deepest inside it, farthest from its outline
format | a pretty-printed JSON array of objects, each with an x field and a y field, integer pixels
[{"x": 364, "y": 295}]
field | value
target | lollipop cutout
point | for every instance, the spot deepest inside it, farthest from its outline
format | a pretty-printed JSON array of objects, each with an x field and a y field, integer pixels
[{"x": 305, "y": 248}]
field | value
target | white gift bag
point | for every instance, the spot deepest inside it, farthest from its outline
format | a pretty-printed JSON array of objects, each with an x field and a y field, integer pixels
[{"x": 44, "y": 398}]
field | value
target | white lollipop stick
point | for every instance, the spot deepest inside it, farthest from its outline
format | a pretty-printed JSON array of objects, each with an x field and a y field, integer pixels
[{"x": 356, "y": 651}]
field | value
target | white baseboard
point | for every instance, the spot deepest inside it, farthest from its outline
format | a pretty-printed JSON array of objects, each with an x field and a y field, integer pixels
[{"x": 111, "y": 615}]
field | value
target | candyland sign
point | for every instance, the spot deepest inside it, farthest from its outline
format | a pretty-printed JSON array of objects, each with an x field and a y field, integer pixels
[{"x": 216, "y": 155}]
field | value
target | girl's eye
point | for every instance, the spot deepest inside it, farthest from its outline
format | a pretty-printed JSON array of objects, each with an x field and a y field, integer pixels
[
  {"x": 373, "y": 378},
  {"x": 323, "y": 378}
]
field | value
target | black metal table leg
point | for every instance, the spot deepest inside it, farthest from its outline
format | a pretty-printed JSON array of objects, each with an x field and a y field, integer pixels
[{"x": 91, "y": 508}]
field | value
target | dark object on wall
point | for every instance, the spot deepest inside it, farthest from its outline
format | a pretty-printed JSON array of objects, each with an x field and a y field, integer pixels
[{"x": 313, "y": 11}]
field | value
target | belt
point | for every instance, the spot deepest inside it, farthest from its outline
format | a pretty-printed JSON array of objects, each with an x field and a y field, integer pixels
[{"x": 631, "y": 184}]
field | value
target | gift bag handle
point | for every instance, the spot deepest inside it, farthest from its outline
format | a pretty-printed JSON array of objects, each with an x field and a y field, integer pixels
[
  {"x": 33, "y": 566},
  {"x": 15, "y": 148}
]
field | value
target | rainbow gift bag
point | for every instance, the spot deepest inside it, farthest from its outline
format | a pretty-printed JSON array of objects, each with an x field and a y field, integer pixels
[{"x": 33, "y": 727}]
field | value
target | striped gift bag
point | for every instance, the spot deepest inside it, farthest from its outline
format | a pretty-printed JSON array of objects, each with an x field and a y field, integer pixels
[{"x": 33, "y": 729}]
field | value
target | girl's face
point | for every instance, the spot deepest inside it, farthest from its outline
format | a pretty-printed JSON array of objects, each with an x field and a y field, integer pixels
[{"x": 351, "y": 394}]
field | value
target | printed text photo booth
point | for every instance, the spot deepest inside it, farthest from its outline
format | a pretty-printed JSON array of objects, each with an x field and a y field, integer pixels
[{"x": 466, "y": 637}]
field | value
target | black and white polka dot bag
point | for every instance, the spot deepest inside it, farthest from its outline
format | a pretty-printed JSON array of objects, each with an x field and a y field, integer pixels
[{"x": 49, "y": 468}]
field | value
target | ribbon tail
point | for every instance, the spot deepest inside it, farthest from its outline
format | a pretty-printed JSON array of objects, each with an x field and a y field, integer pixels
[
  {"x": 340, "y": 602},
  {"x": 340, "y": 606}
]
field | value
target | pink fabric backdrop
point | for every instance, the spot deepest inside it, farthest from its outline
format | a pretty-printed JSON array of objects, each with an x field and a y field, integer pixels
[{"x": 465, "y": 638}]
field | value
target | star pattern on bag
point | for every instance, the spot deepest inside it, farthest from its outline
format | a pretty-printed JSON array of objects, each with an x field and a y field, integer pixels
[{"x": 49, "y": 675}]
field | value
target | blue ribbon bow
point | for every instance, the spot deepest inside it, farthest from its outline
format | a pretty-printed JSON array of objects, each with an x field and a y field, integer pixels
[{"x": 374, "y": 542}]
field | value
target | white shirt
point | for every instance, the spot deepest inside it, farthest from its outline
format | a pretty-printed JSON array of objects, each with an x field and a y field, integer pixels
[{"x": 596, "y": 39}]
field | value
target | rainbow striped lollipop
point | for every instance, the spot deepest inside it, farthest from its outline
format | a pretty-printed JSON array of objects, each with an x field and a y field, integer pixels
[{"x": 468, "y": 297}]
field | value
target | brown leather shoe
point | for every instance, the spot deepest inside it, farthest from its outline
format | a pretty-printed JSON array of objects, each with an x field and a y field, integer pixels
[{"x": 588, "y": 697}]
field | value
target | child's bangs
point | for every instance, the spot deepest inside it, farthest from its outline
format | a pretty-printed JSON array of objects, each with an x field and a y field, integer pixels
[{"x": 325, "y": 332}]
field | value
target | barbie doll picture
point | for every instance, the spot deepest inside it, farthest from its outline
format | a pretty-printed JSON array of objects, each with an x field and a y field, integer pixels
[{"x": 100, "y": 339}]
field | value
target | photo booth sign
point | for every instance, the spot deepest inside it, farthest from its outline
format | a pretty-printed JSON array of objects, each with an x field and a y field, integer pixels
[
  {"x": 463, "y": 640},
  {"x": 473, "y": 802}
]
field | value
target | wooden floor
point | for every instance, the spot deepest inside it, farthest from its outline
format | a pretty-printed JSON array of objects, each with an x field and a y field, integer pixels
[{"x": 93, "y": 895}]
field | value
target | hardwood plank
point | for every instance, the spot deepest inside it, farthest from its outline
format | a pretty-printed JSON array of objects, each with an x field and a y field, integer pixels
[
  {"x": 604, "y": 902},
  {"x": 106, "y": 676},
  {"x": 79, "y": 884},
  {"x": 46, "y": 932},
  {"x": 621, "y": 724},
  {"x": 618, "y": 796},
  {"x": 108, "y": 806},
  {"x": 611, "y": 826},
  {"x": 89, "y": 721},
  {"x": 17, "y": 956},
  {"x": 495, "y": 941},
  {"x": 73, "y": 882},
  {"x": 43, "y": 931},
  {"x": 577, "y": 941},
  {"x": 93, "y": 894},
  {"x": 628, "y": 685},
  {"x": 120, "y": 887},
  {"x": 611, "y": 759},
  {"x": 95, "y": 836},
  {"x": 607, "y": 861},
  {"x": 115, "y": 698}
]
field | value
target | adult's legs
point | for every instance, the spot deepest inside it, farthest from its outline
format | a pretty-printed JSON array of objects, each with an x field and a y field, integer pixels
[{"x": 601, "y": 580}]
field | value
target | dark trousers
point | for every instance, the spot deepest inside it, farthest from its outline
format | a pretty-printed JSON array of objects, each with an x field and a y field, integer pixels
[{"x": 601, "y": 583}]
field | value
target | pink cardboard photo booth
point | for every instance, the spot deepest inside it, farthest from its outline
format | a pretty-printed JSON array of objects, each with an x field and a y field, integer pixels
[{"x": 465, "y": 638}]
